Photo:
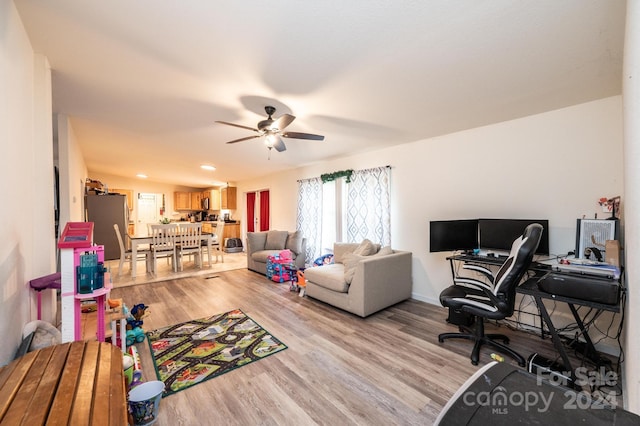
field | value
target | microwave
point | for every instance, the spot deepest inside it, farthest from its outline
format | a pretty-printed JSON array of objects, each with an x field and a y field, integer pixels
[{"x": 205, "y": 203}]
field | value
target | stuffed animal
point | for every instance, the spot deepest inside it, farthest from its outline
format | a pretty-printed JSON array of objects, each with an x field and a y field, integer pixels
[
  {"x": 140, "y": 311},
  {"x": 135, "y": 316}
]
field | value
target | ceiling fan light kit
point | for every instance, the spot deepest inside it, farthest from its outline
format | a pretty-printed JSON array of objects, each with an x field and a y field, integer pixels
[{"x": 272, "y": 130}]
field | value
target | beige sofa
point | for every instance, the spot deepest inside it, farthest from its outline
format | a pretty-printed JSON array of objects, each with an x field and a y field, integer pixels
[
  {"x": 361, "y": 284},
  {"x": 261, "y": 245}
]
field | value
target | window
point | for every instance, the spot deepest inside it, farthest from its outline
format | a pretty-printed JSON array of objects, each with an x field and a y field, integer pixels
[
  {"x": 330, "y": 210},
  {"x": 334, "y": 201}
]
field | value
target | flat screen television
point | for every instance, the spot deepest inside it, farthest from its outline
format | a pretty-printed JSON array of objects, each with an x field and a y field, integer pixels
[
  {"x": 499, "y": 234},
  {"x": 452, "y": 235}
]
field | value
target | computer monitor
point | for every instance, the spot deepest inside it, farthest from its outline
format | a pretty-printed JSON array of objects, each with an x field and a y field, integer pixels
[
  {"x": 499, "y": 234},
  {"x": 452, "y": 235}
]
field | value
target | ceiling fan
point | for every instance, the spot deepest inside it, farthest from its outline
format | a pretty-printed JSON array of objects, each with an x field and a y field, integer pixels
[{"x": 272, "y": 130}]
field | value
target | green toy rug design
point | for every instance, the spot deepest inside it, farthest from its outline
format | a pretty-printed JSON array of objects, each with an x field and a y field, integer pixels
[{"x": 191, "y": 352}]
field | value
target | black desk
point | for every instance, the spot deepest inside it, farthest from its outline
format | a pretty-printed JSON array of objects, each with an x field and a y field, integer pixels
[{"x": 530, "y": 288}]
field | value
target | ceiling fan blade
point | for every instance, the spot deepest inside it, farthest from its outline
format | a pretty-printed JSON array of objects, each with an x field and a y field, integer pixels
[
  {"x": 237, "y": 125},
  {"x": 244, "y": 139},
  {"x": 279, "y": 145},
  {"x": 297, "y": 135},
  {"x": 283, "y": 121}
]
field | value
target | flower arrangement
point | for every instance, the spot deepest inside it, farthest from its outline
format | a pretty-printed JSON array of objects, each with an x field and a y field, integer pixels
[
  {"x": 611, "y": 205},
  {"x": 606, "y": 204}
]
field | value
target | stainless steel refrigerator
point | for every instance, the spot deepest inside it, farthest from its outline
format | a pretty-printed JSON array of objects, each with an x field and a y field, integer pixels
[{"x": 104, "y": 211}]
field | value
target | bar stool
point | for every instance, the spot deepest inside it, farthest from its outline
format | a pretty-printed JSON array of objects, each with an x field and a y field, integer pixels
[{"x": 51, "y": 281}]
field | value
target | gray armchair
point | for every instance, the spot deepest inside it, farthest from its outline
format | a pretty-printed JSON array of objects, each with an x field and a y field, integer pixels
[
  {"x": 261, "y": 245},
  {"x": 362, "y": 285}
]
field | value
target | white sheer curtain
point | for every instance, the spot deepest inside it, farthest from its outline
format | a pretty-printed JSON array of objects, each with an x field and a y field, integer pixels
[
  {"x": 369, "y": 206},
  {"x": 309, "y": 215}
]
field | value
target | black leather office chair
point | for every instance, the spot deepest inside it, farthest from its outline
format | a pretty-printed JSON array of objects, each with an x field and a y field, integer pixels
[{"x": 492, "y": 300}]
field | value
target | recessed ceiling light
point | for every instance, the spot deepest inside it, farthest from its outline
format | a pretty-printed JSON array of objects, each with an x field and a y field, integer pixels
[
  {"x": 141, "y": 175},
  {"x": 207, "y": 167}
]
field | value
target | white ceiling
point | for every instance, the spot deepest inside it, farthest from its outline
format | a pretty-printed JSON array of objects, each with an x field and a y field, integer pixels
[{"x": 144, "y": 81}]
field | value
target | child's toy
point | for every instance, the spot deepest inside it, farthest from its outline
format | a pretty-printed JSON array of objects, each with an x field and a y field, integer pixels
[
  {"x": 286, "y": 256},
  {"x": 115, "y": 304},
  {"x": 135, "y": 333},
  {"x": 298, "y": 283},
  {"x": 325, "y": 259},
  {"x": 137, "y": 368},
  {"x": 139, "y": 311},
  {"x": 280, "y": 266}
]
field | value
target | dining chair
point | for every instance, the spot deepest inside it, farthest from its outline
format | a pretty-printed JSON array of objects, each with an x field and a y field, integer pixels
[
  {"x": 190, "y": 235},
  {"x": 163, "y": 243},
  {"x": 127, "y": 255},
  {"x": 216, "y": 245}
]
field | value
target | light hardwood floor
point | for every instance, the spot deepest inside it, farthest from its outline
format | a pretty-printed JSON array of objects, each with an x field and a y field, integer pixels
[{"x": 339, "y": 369}]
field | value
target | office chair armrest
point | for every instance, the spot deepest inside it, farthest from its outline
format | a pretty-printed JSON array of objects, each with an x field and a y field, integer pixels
[
  {"x": 481, "y": 269},
  {"x": 471, "y": 282}
]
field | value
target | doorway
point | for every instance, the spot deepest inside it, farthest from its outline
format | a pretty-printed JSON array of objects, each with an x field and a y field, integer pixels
[
  {"x": 150, "y": 209},
  {"x": 258, "y": 211}
]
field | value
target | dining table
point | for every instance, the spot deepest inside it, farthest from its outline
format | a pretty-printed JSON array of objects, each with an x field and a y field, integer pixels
[{"x": 142, "y": 237}]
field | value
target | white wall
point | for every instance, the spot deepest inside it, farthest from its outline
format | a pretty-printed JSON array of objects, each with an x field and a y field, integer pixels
[
  {"x": 551, "y": 166},
  {"x": 73, "y": 173},
  {"x": 26, "y": 171},
  {"x": 631, "y": 95}
]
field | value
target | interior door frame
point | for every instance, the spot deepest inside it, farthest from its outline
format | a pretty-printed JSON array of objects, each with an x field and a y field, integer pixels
[{"x": 257, "y": 210}]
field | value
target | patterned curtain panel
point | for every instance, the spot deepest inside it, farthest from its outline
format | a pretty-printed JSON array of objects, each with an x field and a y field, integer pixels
[
  {"x": 309, "y": 217},
  {"x": 369, "y": 206}
]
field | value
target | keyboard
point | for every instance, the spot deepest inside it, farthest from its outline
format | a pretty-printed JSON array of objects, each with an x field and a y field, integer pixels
[{"x": 587, "y": 262}]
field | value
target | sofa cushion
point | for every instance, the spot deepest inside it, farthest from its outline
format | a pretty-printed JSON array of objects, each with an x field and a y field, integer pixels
[
  {"x": 340, "y": 249},
  {"x": 350, "y": 262},
  {"x": 256, "y": 240},
  {"x": 328, "y": 276},
  {"x": 384, "y": 251},
  {"x": 276, "y": 240},
  {"x": 294, "y": 242},
  {"x": 366, "y": 248}
]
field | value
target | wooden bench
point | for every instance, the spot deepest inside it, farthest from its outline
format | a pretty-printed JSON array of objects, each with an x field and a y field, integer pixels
[{"x": 77, "y": 383}]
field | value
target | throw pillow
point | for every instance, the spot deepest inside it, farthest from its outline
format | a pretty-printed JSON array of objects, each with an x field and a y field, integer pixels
[
  {"x": 276, "y": 240},
  {"x": 350, "y": 262},
  {"x": 384, "y": 251},
  {"x": 366, "y": 248},
  {"x": 294, "y": 242}
]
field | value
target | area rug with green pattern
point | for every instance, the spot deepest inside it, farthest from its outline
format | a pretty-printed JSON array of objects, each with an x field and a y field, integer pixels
[{"x": 192, "y": 352}]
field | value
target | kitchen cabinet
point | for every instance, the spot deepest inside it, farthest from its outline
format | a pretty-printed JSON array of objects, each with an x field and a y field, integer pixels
[
  {"x": 214, "y": 199},
  {"x": 228, "y": 199},
  {"x": 182, "y": 200},
  {"x": 196, "y": 201},
  {"x": 128, "y": 193},
  {"x": 131, "y": 229},
  {"x": 231, "y": 230},
  {"x": 208, "y": 227}
]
